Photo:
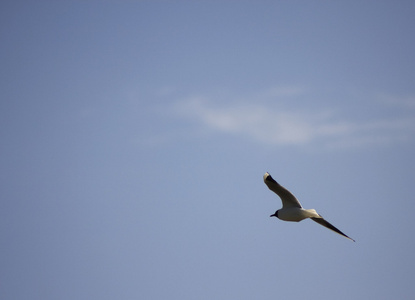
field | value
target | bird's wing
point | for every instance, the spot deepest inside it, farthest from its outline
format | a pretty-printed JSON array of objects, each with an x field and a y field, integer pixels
[
  {"x": 288, "y": 199},
  {"x": 323, "y": 222}
]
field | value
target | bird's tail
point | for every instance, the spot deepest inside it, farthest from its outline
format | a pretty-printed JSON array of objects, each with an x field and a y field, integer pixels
[{"x": 312, "y": 213}]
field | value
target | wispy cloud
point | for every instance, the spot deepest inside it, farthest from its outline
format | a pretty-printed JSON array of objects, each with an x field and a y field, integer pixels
[{"x": 280, "y": 125}]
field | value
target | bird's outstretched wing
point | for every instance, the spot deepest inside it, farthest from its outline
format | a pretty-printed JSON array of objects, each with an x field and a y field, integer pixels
[
  {"x": 323, "y": 222},
  {"x": 288, "y": 199}
]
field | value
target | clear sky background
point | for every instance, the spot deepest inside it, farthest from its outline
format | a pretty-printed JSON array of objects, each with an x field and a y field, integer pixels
[{"x": 135, "y": 134}]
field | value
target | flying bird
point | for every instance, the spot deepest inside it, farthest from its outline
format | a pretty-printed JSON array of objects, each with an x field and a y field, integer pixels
[{"x": 291, "y": 208}]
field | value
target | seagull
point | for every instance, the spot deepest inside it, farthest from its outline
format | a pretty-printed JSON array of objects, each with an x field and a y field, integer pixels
[{"x": 292, "y": 209}]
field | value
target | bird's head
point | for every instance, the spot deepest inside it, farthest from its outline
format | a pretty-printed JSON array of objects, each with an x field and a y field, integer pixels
[{"x": 275, "y": 214}]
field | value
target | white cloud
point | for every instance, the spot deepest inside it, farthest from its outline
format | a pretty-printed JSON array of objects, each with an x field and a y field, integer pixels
[{"x": 277, "y": 125}]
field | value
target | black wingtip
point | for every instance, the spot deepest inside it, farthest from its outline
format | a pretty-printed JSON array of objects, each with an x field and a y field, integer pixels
[
  {"x": 323, "y": 222},
  {"x": 268, "y": 177}
]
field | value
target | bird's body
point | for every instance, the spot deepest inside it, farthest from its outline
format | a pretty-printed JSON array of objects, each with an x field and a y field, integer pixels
[
  {"x": 292, "y": 210},
  {"x": 295, "y": 214}
]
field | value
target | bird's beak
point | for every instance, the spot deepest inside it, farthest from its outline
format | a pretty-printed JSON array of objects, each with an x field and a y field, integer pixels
[{"x": 273, "y": 215}]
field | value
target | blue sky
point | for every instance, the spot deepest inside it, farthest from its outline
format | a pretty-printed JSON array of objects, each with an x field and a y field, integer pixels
[{"x": 135, "y": 136}]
